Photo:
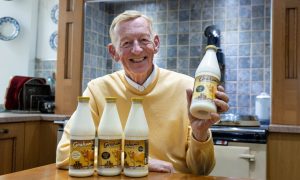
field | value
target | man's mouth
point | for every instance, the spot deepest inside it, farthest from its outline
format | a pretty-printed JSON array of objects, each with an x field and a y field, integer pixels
[{"x": 138, "y": 60}]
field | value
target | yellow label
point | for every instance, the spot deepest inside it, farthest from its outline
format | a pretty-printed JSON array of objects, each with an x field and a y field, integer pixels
[
  {"x": 205, "y": 87},
  {"x": 135, "y": 153},
  {"x": 82, "y": 154},
  {"x": 109, "y": 153}
]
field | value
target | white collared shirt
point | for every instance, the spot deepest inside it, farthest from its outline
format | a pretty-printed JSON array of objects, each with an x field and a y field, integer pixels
[{"x": 146, "y": 83}]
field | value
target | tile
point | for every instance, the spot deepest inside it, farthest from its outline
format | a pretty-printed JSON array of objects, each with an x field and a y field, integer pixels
[
  {"x": 171, "y": 63},
  {"x": 196, "y": 4},
  {"x": 172, "y": 16},
  {"x": 219, "y": 3},
  {"x": 257, "y": 75},
  {"x": 232, "y": 12},
  {"x": 184, "y": 15},
  {"x": 258, "y": 24},
  {"x": 245, "y": 2},
  {"x": 162, "y": 5},
  {"x": 232, "y": 97},
  {"x": 231, "y": 87},
  {"x": 195, "y": 14},
  {"x": 245, "y": 24},
  {"x": 184, "y": 4},
  {"x": 231, "y": 37},
  {"x": 243, "y": 100},
  {"x": 243, "y": 75},
  {"x": 231, "y": 24},
  {"x": 231, "y": 62},
  {"x": 244, "y": 49},
  {"x": 161, "y": 16},
  {"x": 183, "y": 39},
  {"x": 243, "y": 87},
  {"x": 256, "y": 87},
  {"x": 194, "y": 63},
  {"x": 245, "y": 37},
  {"x": 183, "y": 63},
  {"x": 231, "y": 50},
  {"x": 195, "y": 38},
  {"x": 184, "y": 27},
  {"x": 257, "y": 49},
  {"x": 231, "y": 75},
  {"x": 257, "y": 11},
  {"x": 244, "y": 62},
  {"x": 257, "y": 62},
  {"x": 172, "y": 51},
  {"x": 232, "y": 2},
  {"x": 183, "y": 51},
  {"x": 172, "y": 5},
  {"x": 207, "y": 13},
  {"x": 172, "y": 28},
  {"x": 245, "y": 11},
  {"x": 172, "y": 39},
  {"x": 243, "y": 110},
  {"x": 195, "y": 26},
  {"x": 258, "y": 2},
  {"x": 195, "y": 51}
]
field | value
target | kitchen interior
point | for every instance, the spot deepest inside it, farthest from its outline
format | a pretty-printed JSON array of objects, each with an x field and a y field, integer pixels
[{"x": 251, "y": 136}]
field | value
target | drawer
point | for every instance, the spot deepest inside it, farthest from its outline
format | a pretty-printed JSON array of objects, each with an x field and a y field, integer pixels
[{"x": 10, "y": 130}]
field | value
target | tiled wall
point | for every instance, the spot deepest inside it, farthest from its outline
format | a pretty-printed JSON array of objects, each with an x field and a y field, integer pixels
[
  {"x": 44, "y": 68},
  {"x": 245, "y": 27}
]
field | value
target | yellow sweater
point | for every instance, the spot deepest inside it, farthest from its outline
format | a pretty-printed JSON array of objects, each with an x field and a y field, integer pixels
[{"x": 165, "y": 107}]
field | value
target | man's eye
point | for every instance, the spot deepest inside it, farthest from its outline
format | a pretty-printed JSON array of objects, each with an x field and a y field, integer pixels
[{"x": 125, "y": 44}]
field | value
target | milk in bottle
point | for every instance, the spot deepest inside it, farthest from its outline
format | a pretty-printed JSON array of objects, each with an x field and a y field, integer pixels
[
  {"x": 82, "y": 140},
  {"x": 136, "y": 141},
  {"x": 207, "y": 78},
  {"x": 109, "y": 140}
]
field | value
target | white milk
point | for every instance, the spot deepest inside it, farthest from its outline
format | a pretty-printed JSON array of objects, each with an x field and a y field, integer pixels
[
  {"x": 82, "y": 140},
  {"x": 136, "y": 149},
  {"x": 109, "y": 140},
  {"x": 207, "y": 78}
]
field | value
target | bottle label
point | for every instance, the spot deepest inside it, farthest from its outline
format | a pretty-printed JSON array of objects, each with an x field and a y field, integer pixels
[
  {"x": 82, "y": 154},
  {"x": 136, "y": 154},
  {"x": 109, "y": 153},
  {"x": 205, "y": 87}
]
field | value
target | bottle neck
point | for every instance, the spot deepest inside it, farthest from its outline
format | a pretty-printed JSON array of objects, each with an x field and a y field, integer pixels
[{"x": 83, "y": 106}]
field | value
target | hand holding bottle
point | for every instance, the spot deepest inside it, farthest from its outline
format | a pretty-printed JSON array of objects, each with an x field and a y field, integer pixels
[{"x": 200, "y": 126}]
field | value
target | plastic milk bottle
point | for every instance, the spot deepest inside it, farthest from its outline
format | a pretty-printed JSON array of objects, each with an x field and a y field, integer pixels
[
  {"x": 207, "y": 78},
  {"x": 109, "y": 140},
  {"x": 82, "y": 140},
  {"x": 136, "y": 141}
]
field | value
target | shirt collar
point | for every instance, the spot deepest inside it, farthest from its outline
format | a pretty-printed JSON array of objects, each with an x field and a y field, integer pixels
[{"x": 146, "y": 83}]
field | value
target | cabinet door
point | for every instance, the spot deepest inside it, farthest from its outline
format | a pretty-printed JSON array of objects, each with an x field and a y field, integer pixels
[
  {"x": 230, "y": 161},
  {"x": 11, "y": 147}
]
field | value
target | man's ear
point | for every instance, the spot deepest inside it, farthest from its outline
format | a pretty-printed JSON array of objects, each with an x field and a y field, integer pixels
[
  {"x": 156, "y": 43},
  {"x": 113, "y": 53}
]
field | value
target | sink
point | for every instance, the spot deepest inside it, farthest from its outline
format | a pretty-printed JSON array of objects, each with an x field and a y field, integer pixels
[{"x": 229, "y": 119}]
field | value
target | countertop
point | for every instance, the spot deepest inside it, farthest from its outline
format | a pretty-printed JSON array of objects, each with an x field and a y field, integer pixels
[
  {"x": 50, "y": 172},
  {"x": 284, "y": 128},
  {"x": 9, "y": 117}
]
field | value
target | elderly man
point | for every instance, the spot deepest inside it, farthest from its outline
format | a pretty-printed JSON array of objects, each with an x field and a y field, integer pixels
[{"x": 177, "y": 141}]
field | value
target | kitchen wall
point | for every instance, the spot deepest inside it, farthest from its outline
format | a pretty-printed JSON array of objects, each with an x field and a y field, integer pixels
[
  {"x": 245, "y": 27},
  {"x": 19, "y": 56}
]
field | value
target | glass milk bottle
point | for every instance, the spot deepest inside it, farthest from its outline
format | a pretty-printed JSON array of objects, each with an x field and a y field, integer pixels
[
  {"x": 136, "y": 141},
  {"x": 82, "y": 140},
  {"x": 207, "y": 78},
  {"x": 110, "y": 140}
]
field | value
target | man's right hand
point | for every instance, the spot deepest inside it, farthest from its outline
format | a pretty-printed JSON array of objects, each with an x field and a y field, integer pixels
[{"x": 156, "y": 165}]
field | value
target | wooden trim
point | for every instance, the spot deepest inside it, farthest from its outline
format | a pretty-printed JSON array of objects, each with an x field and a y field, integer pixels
[
  {"x": 70, "y": 55},
  {"x": 285, "y": 64}
]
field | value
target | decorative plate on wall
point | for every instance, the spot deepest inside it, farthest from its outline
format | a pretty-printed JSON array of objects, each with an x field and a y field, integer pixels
[
  {"x": 53, "y": 40},
  {"x": 54, "y": 14},
  {"x": 9, "y": 28}
]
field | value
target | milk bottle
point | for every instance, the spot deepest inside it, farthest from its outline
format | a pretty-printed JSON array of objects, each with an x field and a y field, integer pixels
[
  {"x": 207, "y": 78},
  {"x": 136, "y": 141},
  {"x": 109, "y": 140},
  {"x": 82, "y": 140}
]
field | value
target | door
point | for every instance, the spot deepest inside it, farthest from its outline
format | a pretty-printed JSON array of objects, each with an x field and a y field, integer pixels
[{"x": 232, "y": 161}]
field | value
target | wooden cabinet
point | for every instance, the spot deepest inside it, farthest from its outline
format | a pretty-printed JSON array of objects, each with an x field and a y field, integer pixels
[
  {"x": 283, "y": 161},
  {"x": 27, "y": 145},
  {"x": 11, "y": 147}
]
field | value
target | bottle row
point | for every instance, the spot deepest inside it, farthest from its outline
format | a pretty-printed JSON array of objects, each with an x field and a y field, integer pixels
[{"x": 109, "y": 140}]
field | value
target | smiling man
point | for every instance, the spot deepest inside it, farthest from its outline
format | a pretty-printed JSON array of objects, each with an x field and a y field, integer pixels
[{"x": 178, "y": 142}]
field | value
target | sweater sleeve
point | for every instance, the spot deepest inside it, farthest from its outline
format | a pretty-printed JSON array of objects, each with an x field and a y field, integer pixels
[{"x": 200, "y": 156}]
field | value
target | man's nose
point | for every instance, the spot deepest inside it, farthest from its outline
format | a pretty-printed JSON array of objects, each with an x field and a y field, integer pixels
[{"x": 136, "y": 48}]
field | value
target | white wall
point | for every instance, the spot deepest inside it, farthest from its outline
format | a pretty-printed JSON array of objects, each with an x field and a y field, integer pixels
[
  {"x": 45, "y": 28},
  {"x": 17, "y": 57}
]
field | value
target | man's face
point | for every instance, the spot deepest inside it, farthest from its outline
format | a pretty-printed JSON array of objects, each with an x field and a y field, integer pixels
[{"x": 135, "y": 47}]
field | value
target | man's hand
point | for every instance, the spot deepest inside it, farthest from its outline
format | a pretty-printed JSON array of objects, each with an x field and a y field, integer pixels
[
  {"x": 156, "y": 165},
  {"x": 200, "y": 126}
]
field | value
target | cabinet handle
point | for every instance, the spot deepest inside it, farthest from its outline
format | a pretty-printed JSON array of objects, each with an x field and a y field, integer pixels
[
  {"x": 251, "y": 157},
  {"x": 3, "y": 131}
]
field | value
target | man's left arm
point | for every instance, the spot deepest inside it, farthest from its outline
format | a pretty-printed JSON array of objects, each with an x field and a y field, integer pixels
[{"x": 200, "y": 154}]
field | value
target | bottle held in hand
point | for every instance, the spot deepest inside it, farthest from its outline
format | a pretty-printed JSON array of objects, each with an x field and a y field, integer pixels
[{"x": 207, "y": 78}]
